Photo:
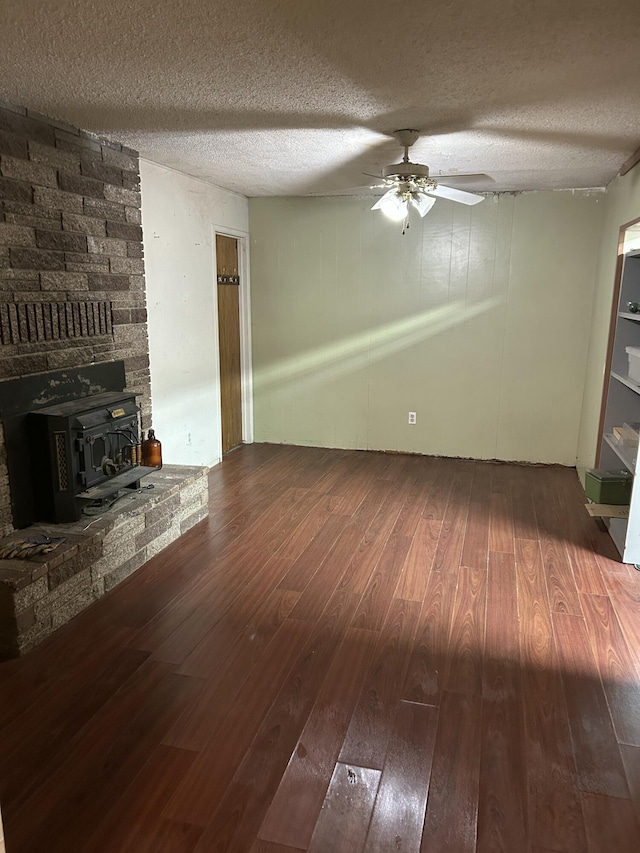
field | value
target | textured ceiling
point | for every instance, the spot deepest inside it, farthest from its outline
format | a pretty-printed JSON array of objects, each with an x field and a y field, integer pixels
[{"x": 289, "y": 97}]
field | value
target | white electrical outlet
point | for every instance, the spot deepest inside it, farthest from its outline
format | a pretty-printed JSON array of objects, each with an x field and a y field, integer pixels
[{"x": 412, "y": 417}]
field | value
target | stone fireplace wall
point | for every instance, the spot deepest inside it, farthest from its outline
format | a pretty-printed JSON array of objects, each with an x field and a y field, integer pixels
[{"x": 72, "y": 289}]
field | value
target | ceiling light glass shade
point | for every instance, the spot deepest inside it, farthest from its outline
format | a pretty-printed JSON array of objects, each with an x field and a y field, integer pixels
[
  {"x": 422, "y": 202},
  {"x": 393, "y": 204}
]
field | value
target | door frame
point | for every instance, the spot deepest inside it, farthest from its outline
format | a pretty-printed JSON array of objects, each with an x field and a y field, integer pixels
[{"x": 246, "y": 378}]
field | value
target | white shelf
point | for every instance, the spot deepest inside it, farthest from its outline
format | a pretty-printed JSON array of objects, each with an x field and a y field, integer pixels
[
  {"x": 635, "y": 386},
  {"x": 625, "y": 453},
  {"x": 629, "y": 316}
]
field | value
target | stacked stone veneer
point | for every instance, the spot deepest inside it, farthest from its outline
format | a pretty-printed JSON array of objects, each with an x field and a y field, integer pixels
[
  {"x": 41, "y": 594},
  {"x": 72, "y": 286}
]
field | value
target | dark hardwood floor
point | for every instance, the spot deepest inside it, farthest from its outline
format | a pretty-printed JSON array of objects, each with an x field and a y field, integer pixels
[{"x": 356, "y": 651}]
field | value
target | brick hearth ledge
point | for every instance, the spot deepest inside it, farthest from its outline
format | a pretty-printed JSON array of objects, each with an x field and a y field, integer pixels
[{"x": 39, "y": 595}]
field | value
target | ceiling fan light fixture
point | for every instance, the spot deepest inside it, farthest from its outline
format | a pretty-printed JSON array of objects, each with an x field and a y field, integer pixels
[
  {"x": 422, "y": 202},
  {"x": 393, "y": 204},
  {"x": 412, "y": 184}
]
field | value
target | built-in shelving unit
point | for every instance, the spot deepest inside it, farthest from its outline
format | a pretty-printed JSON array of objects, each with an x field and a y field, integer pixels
[
  {"x": 630, "y": 383},
  {"x": 621, "y": 403},
  {"x": 627, "y": 455}
]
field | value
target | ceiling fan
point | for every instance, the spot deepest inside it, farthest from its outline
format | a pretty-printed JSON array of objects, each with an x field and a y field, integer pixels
[{"x": 410, "y": 184}]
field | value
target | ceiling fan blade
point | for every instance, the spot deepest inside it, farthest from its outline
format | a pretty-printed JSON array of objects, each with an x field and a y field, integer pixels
[
  {"x": 463, "y": 179},
  {"x": 367, "y": 189},
  {"x": 456, "y": 195}
]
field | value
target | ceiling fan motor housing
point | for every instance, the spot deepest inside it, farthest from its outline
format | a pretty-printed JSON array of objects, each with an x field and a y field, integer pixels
[{"x": 406, "y": 171}]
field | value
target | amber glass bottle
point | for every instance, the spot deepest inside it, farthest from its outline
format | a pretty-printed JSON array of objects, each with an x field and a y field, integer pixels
[{"x": 151, "y": 451}]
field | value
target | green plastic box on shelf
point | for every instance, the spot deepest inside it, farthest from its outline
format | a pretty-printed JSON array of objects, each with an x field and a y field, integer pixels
[{"x": 608, "y": 487}]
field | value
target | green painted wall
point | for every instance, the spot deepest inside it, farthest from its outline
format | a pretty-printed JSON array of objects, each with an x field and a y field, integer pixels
[{"x": 478, "y": 319}]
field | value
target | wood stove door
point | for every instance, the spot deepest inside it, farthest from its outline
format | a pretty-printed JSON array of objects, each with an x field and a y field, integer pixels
[{"x": 105, "y": 450}]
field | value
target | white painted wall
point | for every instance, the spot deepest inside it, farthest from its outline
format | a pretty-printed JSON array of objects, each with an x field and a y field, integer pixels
[
  {"x": 180, "y": 216},
  {"x": 478, "y": 319},
  {"x": 621, "y": 205}
]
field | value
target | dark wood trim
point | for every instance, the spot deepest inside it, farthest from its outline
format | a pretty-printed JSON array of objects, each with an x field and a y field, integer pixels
[
  {"x": 628, "y": 164},
  {"x": 624, "y": 228}
]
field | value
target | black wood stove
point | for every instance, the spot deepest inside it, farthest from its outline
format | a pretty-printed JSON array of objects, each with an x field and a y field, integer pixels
[
  {"x": 84, "y": 450},
  {"x": 72, "y": 437}
]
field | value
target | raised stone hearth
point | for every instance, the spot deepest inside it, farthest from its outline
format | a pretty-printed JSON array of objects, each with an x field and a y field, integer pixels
[{"x": 40, "y": 594}]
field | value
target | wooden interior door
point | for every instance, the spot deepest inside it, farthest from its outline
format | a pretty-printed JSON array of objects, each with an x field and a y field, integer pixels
[{"x": 229, "y": 336}]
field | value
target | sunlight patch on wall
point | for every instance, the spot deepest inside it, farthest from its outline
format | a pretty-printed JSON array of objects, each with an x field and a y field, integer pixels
[{"x": 356, "y": 352}]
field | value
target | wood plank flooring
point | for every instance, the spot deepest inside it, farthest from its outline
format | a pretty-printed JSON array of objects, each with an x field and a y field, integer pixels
[{"x": 355, "y": 652}]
